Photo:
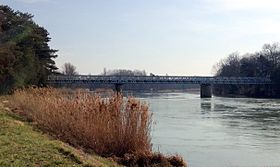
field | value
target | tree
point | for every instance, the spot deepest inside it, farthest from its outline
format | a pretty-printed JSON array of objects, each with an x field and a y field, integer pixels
[
  {"x": 229, "y": 66},
  {"x": 69, "y": 69},
  {"x": 124, "y": 72},
  {"x": 272, "y": 52},
  {"x": 25, "y": 56},
  {"x": 265, "y": 63}
]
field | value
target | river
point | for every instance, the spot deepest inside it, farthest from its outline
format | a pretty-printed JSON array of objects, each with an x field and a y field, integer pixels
[{"x": 235, "y": 132}]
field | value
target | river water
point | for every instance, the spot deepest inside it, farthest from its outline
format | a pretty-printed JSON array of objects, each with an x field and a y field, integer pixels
[{"x": 235, "y": 132}]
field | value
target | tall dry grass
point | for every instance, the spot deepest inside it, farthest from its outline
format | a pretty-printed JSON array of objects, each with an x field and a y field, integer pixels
[{"x": 108, "y": 126}]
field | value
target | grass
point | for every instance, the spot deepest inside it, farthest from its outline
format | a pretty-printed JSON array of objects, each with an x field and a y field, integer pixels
[{"x": 21, "y": 145}]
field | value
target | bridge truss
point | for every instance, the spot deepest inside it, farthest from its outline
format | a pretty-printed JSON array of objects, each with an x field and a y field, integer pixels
[{"x": 95, "y": 79}]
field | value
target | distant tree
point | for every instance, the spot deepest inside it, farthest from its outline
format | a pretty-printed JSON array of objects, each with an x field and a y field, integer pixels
[
  {"x": 272, "y": 52},
  {"x": 69, "y": 69},
  {"x": 104, "y": 71},
  {"x": 229, "y": 66},
  {"x": 265, "y": 63},
  {"x": 124, "y": 72},
  {"x": 275, "y": 76},
  {"x": 248, "y": 66}
]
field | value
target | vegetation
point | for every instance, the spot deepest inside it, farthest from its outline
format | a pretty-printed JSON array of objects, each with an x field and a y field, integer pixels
[
  {"x": 21, "y": 145},
  {"x": 265, "y": 63},
  {"x": 25, "y": 56},
  {"x": 111, "y": 127},
  {"x": 124, "y": 72},
  {"x": 69, "y": 69}
]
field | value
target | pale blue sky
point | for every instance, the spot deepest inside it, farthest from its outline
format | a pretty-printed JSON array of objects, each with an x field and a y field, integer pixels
[{"x": 178, "y": 37}]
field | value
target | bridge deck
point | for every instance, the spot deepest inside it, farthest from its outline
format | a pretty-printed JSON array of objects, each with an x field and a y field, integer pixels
[{"x": 98, "y": 79}]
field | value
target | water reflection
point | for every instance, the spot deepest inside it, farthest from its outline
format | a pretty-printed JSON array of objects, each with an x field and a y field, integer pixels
[{"x": 205, "y": 106}]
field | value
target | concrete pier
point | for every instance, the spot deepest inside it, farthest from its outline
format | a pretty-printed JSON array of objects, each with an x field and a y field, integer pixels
[
  {"x": 205, "y": 90},
  {"x": 118, "y": 88}
]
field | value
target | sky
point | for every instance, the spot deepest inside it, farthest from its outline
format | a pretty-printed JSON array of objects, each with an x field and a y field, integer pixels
[{"x": 174, "y": 37}]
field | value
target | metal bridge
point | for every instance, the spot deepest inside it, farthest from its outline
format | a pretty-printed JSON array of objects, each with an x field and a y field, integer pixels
[
  {"x": 204, "y": 81},
  {"x": 60, "y": 79}
]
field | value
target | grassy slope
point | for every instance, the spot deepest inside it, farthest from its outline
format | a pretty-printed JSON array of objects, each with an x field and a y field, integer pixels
[{"x": 21, "y": 145}]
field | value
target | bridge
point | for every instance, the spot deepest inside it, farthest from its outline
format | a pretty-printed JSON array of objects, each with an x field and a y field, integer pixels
[{"x": 205, "y": 82}]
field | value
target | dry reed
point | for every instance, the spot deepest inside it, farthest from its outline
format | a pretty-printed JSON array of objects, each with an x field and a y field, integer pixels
[{"x": 110, "y": 127}]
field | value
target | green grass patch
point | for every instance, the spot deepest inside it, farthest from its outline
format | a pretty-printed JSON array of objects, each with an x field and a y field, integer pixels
[{"x": 21, "y": 145}]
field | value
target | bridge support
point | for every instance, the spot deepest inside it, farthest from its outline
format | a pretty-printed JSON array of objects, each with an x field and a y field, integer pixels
[
  {"x": 205, "y": 91},
  {"x": 118, "y": 88}
]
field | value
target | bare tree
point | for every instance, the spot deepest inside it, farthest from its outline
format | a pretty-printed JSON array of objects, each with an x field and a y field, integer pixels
[
  {"x": 272, "y": 51},
  {"x": 124, "y": 72},
  {"x": 229, "y": 66},
  {"x": 69, "y": 69}
]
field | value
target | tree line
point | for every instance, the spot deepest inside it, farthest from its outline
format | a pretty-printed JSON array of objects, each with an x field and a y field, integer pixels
[
  {"x": 124, "y": 72},
  {"x": 263, "y": 63},
  {"x": 25, "y": 56}
]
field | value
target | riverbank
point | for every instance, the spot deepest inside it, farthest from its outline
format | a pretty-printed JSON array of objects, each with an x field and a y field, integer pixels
[
  {"x": 114, "y": 127},
  {"x": 22, "y": 144}
]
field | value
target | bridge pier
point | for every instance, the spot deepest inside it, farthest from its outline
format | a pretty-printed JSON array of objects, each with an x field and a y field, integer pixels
[
  {"x": 205, "y": 90},
  {"x": 118, "y": 88}
]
